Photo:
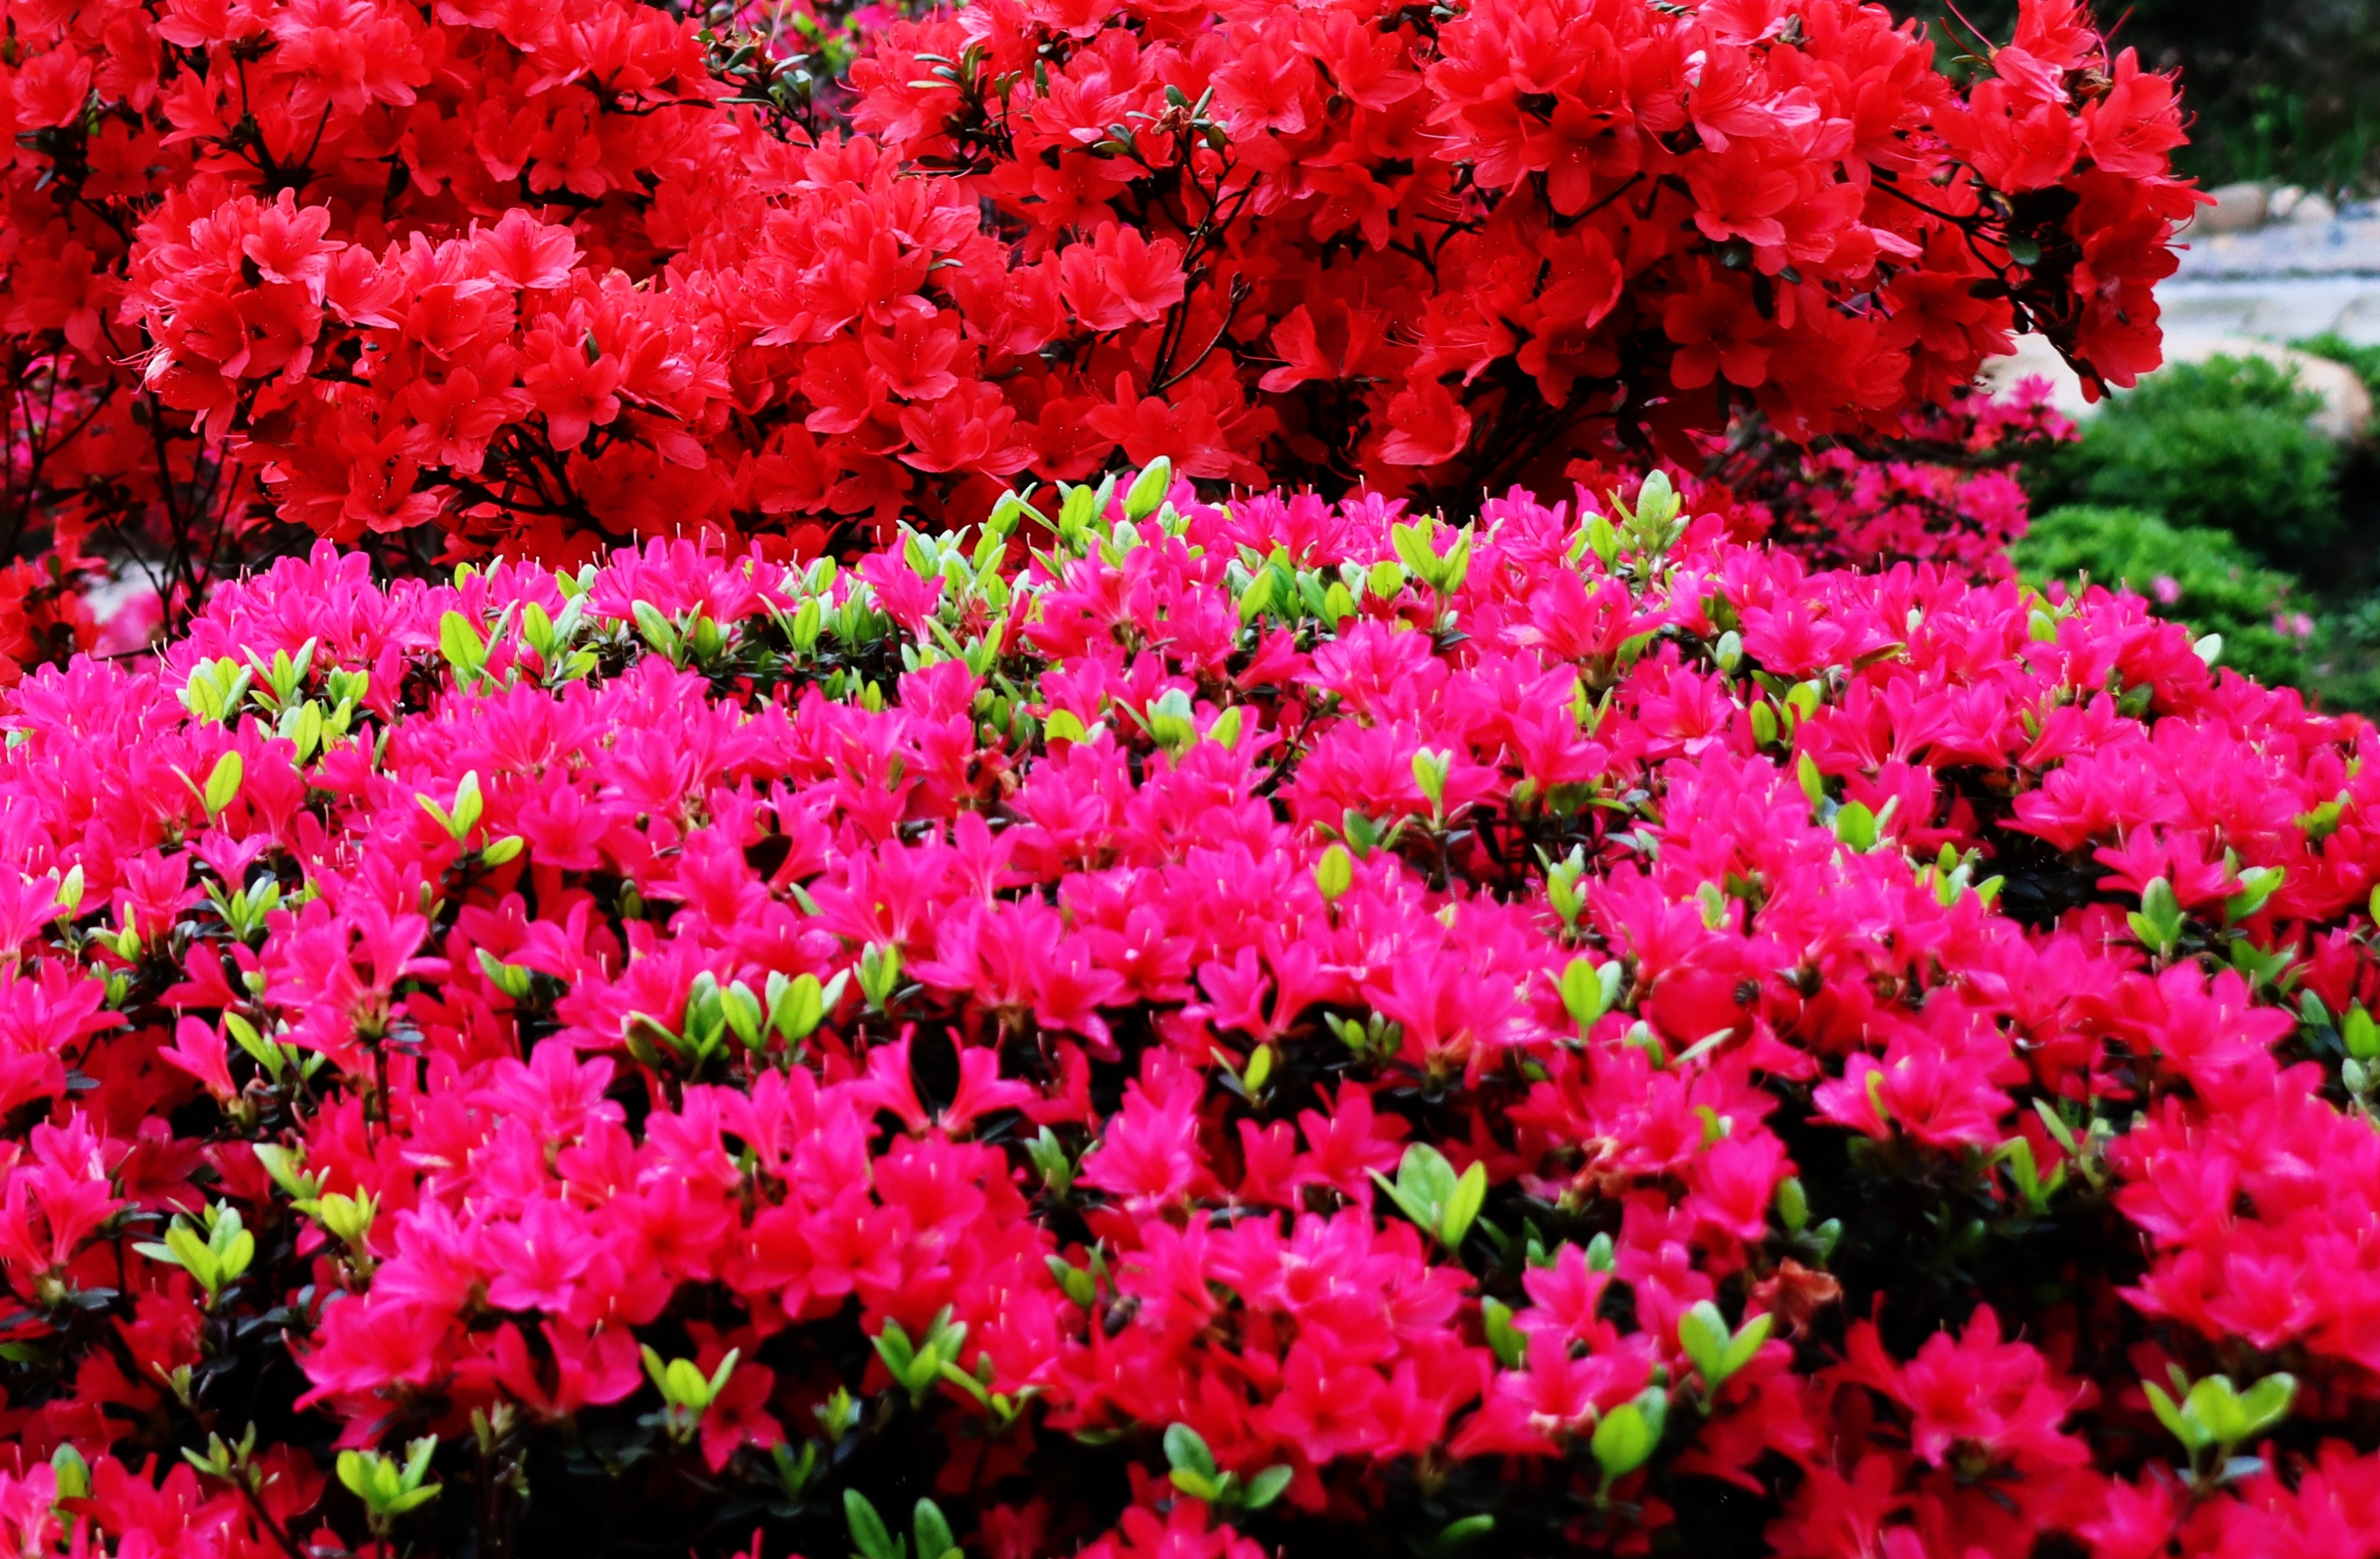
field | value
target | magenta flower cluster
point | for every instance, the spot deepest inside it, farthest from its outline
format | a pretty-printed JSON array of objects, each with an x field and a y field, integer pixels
[{"x": 1160, "y": 1028}]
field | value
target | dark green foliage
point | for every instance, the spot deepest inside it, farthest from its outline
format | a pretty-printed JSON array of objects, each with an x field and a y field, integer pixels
[
  {"x": 2215, "y": 583},
  {"x": 2347, "y": 658},
  {"x": 2222, "y": 445}
]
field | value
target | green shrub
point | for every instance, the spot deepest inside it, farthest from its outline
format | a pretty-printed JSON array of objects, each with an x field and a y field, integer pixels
[
  {"x": 2201, "y": 577},
  {"x": 2221, "y": 444},
  {"x": 2345, "y": 659}
]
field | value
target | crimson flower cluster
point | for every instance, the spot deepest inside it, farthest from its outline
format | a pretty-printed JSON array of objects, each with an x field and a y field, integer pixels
[
  {"x": 1946, "y": 491},
  {"x": 1158, "y": 1028},
  {"x": 473, "y": 277}
]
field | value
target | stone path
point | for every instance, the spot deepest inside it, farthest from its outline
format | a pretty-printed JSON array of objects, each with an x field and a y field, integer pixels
[
  {"x": 2285, "y": 280},
  {"x": 2250, "y": 292}
]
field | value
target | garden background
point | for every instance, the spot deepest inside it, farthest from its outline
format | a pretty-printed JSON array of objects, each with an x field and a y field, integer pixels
[
  {"x": 2282, "y": 99},
  {"x": 1153, "y": 781}
]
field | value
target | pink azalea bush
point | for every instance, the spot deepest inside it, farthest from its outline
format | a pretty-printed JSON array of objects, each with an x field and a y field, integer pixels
[
  {"x": 1946, "y": 490},
  {"x": 1152, "y": 1027}
]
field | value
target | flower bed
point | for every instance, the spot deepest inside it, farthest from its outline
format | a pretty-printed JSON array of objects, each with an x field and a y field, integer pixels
[{"x": 1165, "y": 1028}]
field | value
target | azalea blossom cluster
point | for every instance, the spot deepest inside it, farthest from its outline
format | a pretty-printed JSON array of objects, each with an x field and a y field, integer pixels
[
  {"x": 1153, "y": 1027},
  {"x": 477, "y": 278},
  {"x": 1947, "y": 491}
]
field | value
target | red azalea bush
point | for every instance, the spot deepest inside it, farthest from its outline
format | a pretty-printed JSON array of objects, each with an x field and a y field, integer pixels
[
  {"x": 476, "y": 276},
  {"x": 43, "y": 616},
  {"x": 1160, "y": 1029}
]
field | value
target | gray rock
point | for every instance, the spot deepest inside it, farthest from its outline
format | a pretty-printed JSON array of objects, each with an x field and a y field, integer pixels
[
  {"x": 2238, "y": 208},
  {"x": 2313, "y": 210}
]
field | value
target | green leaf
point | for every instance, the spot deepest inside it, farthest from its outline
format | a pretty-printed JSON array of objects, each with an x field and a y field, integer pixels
[
  {"x": 741, "y": 1008},
  {"x": 2256, "y": 888},
  {"x": 349, "y": 1217},
  {"x": 1186, "y": 1451},
  {"x": 1148, "y": 491},
  {"x": 2360, "y": 1033},
  {"x": 1764, "y": 724},
  {"x": 2056, "y": 1127},
  {"x": 537, "y": 628},
  {"x": 2214, "y": 1403},
  {"x": 194, "y": 1255},
  {"x": 1261, "y": 595},
  {"x": 2266, "y": 1403},
  {"x": 232, "y": 1259},
  {"x": 894, "y": 1346},
  {"x": 1511, "y": 1348},
  {"x": 264, "y": 1052},
  {"x": 73, "y": 1473},
  {"x": 719, "y": 1376},
  {"x": 656, "y": 629},
  {"x": 287, "y": 1167},
  {"x": 1582, "y": 993},
  {"x": 464, "y": 650},
  {"x": 867, "y": 1532},
  {"x": 1455, "y": 1536},
  {"x": 1462, "y": 1207},
  {"x": 1747, "y": 1342},
  {"x": 2162, "y": 912},
  {"x": 1602, "y": 540},
  {"x": 356, "y": 1473},
  {"x": 934, "y": 1539},
  {"x": 1335, "y": 873},
  {"x": 1077, "y": 1284},
  {"x": 223, "y": 783},
  {"x": 1077, "y": 508},
  {"x": 2236, "y": 1467},
  {"x": 1627, "y": 1437},
  {"x": 1267, "y": 1486},
  {"x": 1813, "y": 785},
  {"x": 1656, "y": 501},
  {"x": 1414, "y": 549},
  {"x": 1427, "y": 1192},
  {"x": 1425, "y": 1175},
  {"x": 2189, "y": 1431},
  {"x": 1456, "y": 564},
  {"x": 1197, "y": 1485},
  {"x": 1703, "y": 1334},
  {"x": 798, "y": 1007},
  {"x": 402, "y": 1503},
  {"x": 1430, "y": 772}
]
